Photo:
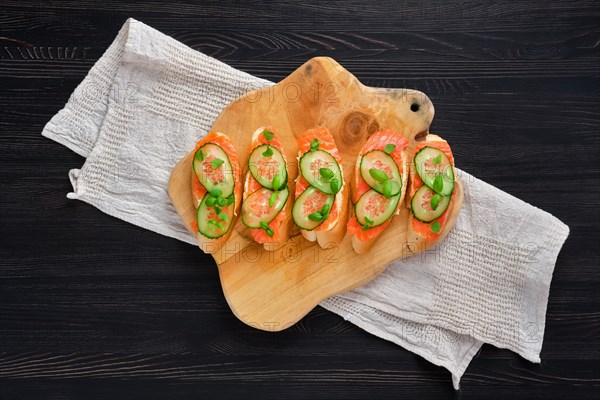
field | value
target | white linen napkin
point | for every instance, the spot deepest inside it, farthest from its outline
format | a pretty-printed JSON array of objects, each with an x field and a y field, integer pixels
[{"x": 149, "y": 98}]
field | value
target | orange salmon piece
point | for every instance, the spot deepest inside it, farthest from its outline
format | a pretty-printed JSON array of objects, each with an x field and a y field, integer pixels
[{"x": 326, "y": 142}]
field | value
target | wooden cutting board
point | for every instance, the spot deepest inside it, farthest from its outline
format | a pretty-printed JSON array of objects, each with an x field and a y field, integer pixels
[{"x": 274, "y": 290}]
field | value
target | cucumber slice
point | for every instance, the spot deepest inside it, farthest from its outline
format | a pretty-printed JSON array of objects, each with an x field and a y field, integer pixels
[
  {"x": 379, "y": 160},
  {"x": 257, "y": 207},
  {"x": 311, "y": 201},
  {"x": 322, "y": 171},
  {"x": 264, "y": 163},
  {"x": 373, "y": 208},
  {"x": 431, "y": 163},
  {"x": 210, "y": 224},
  {"x": 213, "y": 169},
  {"x": 421, "y": 205}
]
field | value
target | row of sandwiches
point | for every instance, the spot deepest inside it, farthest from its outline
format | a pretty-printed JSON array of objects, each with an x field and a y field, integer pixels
[{"x": 322, "y": 206}]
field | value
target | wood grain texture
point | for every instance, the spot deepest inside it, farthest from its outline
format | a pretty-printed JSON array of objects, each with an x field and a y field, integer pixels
[
  {"x": 92, "y": 307},
  {"x": 272, "y": 290}
]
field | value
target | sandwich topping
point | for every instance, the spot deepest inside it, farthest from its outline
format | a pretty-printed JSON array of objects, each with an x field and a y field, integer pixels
[
  {"x": 321, "y": 170},
  {"x": 265, "y": 164},
  {"x": 213, "y": 169},
  {"x": 379, "y": 201},
  {"x": 262, "y": 206},
  {"x": 378, "y": 184},
  {"x": 435, "y": 170},
  {"x": 268, "y": 189},
  {"x": 380, "y": 172},
  {"x": 215, "y": 184},
  {"x": 320, "y": 180},
  {"x": 373, "y": 209},
  {"x": 433, "y": 188}
]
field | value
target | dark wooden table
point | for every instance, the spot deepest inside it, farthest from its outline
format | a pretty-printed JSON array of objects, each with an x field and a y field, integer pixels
[{"x": 95, "y": 308}]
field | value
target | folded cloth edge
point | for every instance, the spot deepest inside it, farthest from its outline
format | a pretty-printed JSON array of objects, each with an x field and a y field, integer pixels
[{"x": 352, "y": 314}]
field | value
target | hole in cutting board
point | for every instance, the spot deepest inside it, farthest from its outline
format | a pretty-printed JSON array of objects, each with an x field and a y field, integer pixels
[{"x": 419, "y": 137}]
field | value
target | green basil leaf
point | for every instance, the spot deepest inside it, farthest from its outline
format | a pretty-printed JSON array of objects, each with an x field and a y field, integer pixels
[
  {"x": 230, "y": 201},
  {"x": 325, "y": 210},
  {"x": 211, "y": 201},
  {"x": 378, "y": 175},
  {"x": 277, "y": 181},
  {"x": 222, "y": 202},
  {"x": 326, "y": 173},
  {"x": 216, "y": 163},
  {"x": 217, "y": 210},
  {"x": 368, "y": 220},
  {"x": 316, "y": 216},
  {"x": 215, "y": 223},
  {"x": 438, "y": 159},
  {"x": 199, "y": 155},
  {"x": 435, "y": 227},
  {"x": 268, "y": 134},
  {"x": 272, "y": 199},
  {"x": 438, "y": 183},
  {"x": 314, "y": 145},
  {"x": 264, "y": 225},
  {"x": 223, "y": 216},
  {"x": 389, "y": 148},
  {"x": 387, "y": 189},
  {"x": 216, "y": 192},
  {"x": 268, "y": 152},
  {"x": 435, "y": 201},
  {"x": 334, "y": 184},
  {"x": 269, "y": 232}
]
